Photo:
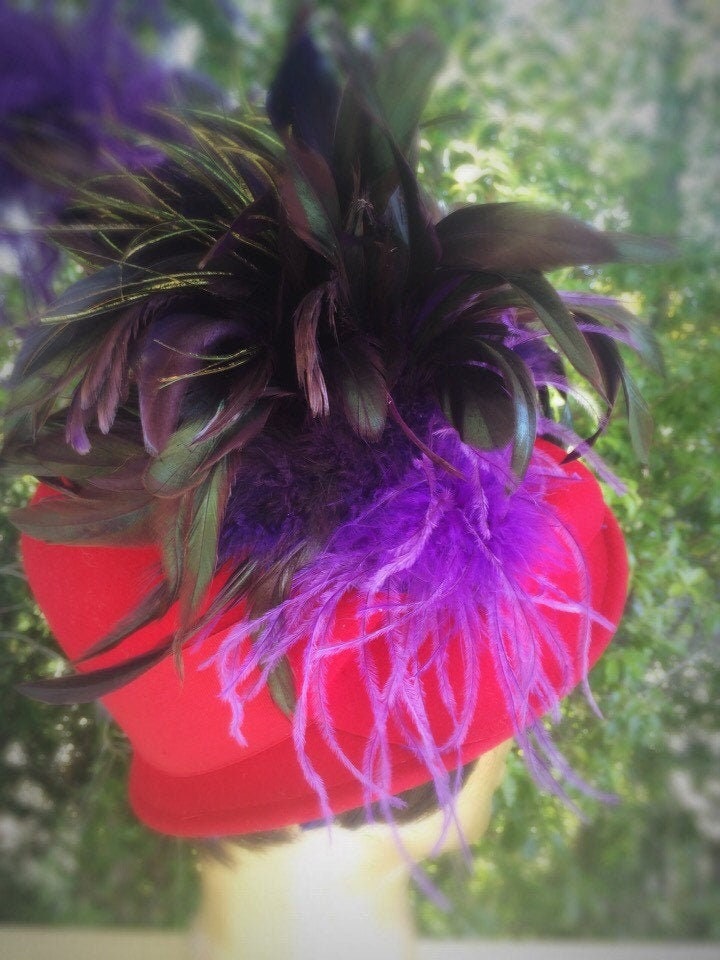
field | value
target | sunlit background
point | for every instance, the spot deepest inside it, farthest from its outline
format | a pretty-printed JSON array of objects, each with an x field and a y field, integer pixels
[{"x": 609, "y": 110}]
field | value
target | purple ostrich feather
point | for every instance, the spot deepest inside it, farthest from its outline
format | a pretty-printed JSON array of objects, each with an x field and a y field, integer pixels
[{"x": 437, "y": 555}]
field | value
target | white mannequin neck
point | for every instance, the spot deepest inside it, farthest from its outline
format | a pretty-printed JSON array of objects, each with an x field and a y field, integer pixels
[
  {"x": 330, "y": 895},
  {"x": 321, "y": 897}
]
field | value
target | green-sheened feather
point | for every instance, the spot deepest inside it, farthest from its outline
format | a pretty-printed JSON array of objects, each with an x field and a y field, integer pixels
[
  {"x": 208, "y": 507},
  {"x": 102, "y": 522}
]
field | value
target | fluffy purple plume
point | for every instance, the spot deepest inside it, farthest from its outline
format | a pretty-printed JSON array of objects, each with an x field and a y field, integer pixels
[{"x": 436, "y": 560}]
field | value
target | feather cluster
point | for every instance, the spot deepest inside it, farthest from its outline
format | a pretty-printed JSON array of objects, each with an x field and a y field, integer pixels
[
  {"x": 282, "y": 362},
  {"x": 436, "y": 561}
]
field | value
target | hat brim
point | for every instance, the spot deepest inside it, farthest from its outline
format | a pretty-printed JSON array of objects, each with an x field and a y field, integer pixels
[{"x": 190, "y": 777}]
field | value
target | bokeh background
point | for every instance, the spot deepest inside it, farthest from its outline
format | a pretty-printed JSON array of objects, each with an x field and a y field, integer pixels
[{"x": 606, "y": 109}]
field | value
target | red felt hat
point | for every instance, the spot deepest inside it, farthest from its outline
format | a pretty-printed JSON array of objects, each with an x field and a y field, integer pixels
[
  {"x": 307, "y": 414},
  {"x": 190, "y": 776}
]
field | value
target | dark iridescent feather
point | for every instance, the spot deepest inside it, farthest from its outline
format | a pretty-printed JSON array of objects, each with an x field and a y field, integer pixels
[
  {"x": 99, "y": 520},
  {"x": 514, "y": 238},
  {"x": 86, "y": 687},
  {"x": 304, "y": 97}
]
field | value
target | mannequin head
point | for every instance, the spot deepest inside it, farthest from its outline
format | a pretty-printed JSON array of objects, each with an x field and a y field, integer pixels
[
  {"x": 304, "y": 527},
  {"x": 320, "y": 891}
]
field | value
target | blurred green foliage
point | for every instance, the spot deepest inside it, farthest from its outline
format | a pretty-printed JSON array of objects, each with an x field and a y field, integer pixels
[{"x": 609, "y": 110}]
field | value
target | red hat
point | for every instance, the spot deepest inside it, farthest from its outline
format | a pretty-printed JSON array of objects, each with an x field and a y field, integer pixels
[
  {"x": 289, "y": 431},
  {"x": 191, "y": 777}
]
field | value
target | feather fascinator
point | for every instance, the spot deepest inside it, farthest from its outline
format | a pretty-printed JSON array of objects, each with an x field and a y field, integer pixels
[{"x": 308, "y": 522}]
